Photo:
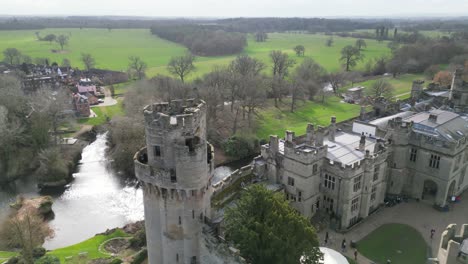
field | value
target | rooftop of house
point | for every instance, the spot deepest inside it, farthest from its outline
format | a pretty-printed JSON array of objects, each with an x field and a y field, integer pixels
[
  {"x": 345, "y": 148},
  {"x": 355, "y": 89},
  {"x": 442, "y": 124}
]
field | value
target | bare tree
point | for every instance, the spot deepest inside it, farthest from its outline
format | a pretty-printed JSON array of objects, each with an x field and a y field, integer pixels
[
  {"x": 329, "y": 42},
  {"x": 26, "y": 232},
  {"x": 12, "y": 56},
  {"x": 381, "y": 88},
  {"x": 182, "y": 66},
  {"x": 309, "y": 75},
  {"x": 300, "y": 50},
  {"x": 62, "y": 40},
  {"x": 281, "y": 63},
  {"x": 88, "y": 60},
  {"x": 137, "y": 66},
  {"x": 245, "y": 65},
  {"x": 350, "y": 56},
  {"x": 336, "y": 80},
  {"x": 360, "y": 44}
]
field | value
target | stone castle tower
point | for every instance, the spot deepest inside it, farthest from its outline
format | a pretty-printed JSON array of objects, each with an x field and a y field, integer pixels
[{"x": 175, "y": 171}]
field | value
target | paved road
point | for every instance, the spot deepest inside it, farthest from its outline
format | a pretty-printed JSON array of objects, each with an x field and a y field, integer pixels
[
  {"x": 419, "y": 215},
  {"x": 108, "y": 100}
]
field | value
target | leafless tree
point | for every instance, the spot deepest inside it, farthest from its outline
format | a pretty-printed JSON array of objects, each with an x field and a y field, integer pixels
[
  {"x": 381, "y": 88},
  {"x": 182, "y": 66},
  {"x": 329, "y": 42},
  {"x": 88, "y": 60},
  {"x": 360, "y": 44},
  {"x": 310, "y": 76},
  {"x": 62, "y": 40},
  {"x": 336, "y": 80},
  {"x": 137, "y": 66},
  {"x": 12, "y": 56},
  {"x": 26, "y": 232},
  {"x": 245, "y": 65}
]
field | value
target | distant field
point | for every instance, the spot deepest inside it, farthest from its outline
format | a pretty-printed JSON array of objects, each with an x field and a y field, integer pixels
[
  {"x": 111, "y": 49},
  {"x": 401, "y": 83},
  {"x": 427, "y": 33},
  {"x": 274, "y": 121}
]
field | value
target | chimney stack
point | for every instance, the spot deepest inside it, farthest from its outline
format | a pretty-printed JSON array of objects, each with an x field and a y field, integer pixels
[
  {"x": 310, "y": 134},
  {"x": 362, "y": 142},
  {"x": 362, "y": 114},
  {"x": 332, "y": 129},
  {"x": 319, "y": 136},
  {"x": 274, "y": 144}
]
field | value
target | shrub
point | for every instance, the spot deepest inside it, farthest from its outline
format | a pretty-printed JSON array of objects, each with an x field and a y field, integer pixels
[
  {"x": 139, "y": 239},
  {"x": 240, "y": 146},
  {"x": 140, "y": 257},
  {"x": 38, "y": 252},
  {"x": 116, "y": 261},
  {"x": 48, "y": 259}
]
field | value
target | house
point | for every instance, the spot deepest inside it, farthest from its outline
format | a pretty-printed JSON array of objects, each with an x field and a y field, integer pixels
[
  {"x": 81, "y": 105},
  {"x": 86, "y": 86}
]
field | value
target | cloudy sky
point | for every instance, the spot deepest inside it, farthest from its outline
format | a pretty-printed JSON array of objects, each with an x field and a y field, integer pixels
[{"x": 236, "y": 8}]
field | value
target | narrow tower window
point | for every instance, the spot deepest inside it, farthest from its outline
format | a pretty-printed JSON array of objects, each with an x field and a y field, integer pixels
[
  {"x": 180, "y": 220},
  {"x": 157, "y": 151},
  {"x": 193, "y": 214}
]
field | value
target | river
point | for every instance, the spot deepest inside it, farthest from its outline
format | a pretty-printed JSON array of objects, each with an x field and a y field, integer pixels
[{"x": 96, "y": 200}]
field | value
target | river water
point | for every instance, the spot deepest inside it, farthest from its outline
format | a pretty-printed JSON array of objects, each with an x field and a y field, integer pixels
[{"x": 96, "y": 200}]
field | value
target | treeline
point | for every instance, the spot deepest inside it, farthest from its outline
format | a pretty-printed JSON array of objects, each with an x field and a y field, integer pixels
[
  {"x": 296, "y": 24},
  {"x": 29, "y": 127},
  {"x": 203, "y": 40}
]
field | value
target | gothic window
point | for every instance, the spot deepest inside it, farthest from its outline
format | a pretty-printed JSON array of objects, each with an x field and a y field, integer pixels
[
  {"x": 329, "y": 182},
  {"x": 373, "y": 193},
  {"x": 314, "y": 169},
  {"x": 413, "y": 154},
  {"x": 355, "y": 204},
  {"x": 357, "y": 184},
  {"x": 180, "y": 220},
  {"x": 434, "y": 161},
  {"x": 299, "y": 196},
  {"x": 290, "y": 181},
  {"x": 376, "y": 172}
]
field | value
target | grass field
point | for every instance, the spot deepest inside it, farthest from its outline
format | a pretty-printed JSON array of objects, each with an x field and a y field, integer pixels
[
  {"x": 274, "y": 121},
  {"x": 401, "y": 83},
  {"x": 111, "y": 49},
  {"x": 90, "y": 246},
  {"x": 103, "y": 112},
  {"x": 401, "y": 244},
  {"x": 5, "y": 255}
]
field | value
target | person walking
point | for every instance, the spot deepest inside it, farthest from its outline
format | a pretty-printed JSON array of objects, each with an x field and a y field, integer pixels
[
  {"x": 355, "y": 254},
  {"x": 326, "y": 238},
  {"x": 343, "y": 245}
]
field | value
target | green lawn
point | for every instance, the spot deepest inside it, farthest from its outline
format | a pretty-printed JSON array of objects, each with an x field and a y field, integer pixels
[
  {"x": 401, "y": 83},
  {"x": 111, "y": 49},
  {"x": 102, "y": 113},
  {"x": 401, "y": 244},
  {"x": 91, "y": 246},
  {"x": 5, "y": 255},
  {"x": 274, "y": 121}
]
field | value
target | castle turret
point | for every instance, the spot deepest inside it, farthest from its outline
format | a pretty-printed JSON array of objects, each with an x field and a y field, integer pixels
[
  {"x": 175, "y": 170},
  {"x": 416, "y": 89}
]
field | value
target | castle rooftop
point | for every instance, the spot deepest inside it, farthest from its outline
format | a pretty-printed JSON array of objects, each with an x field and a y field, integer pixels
[{"x": 345, "y": 148}]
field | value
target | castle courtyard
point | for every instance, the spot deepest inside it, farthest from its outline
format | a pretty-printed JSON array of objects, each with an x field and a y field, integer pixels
[{"x": 419, "y": 215}]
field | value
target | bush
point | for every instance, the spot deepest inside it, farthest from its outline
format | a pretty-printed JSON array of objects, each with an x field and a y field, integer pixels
[
  {"x": 140, "y": 257},
  {"x": 139, "y": 239},
  {"x": 240, "y": 146},
  {"x": 13, "y": 260},
  {"x": 116, "y": 261},
  {"x": 48, "y": 259},
  {"x": 38, "y": 252}
]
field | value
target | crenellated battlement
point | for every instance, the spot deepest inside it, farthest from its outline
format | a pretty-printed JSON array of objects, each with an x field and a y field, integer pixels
[{"x": 174, "y": 115}]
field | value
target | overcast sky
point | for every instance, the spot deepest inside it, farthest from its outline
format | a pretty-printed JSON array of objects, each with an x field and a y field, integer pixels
[{"x": 236, "y": 8}]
